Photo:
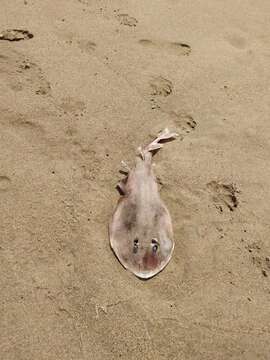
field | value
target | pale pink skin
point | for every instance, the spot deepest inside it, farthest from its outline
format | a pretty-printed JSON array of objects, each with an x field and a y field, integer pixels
[{"x": 141, "y": 234}]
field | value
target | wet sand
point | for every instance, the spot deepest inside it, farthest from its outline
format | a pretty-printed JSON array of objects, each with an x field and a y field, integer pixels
[{"x": 96, "y": 80}]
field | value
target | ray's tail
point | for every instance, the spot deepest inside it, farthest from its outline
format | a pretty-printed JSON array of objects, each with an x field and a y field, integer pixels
[{"x": 152, "y": 148}]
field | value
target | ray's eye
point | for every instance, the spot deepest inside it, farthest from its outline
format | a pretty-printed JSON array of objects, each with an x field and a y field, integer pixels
[
  {"x": 154, "y": 245},
  {"x": 135, "y": 245}
]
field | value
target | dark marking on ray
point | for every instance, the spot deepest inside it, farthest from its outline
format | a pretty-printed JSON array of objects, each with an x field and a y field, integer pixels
[{"x": 130, "y": 216}]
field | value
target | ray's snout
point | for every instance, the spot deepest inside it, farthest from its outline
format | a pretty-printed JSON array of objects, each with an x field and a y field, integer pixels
[
  {"x": 150, "y": 261},
  {"x": 148, "y": 266}
]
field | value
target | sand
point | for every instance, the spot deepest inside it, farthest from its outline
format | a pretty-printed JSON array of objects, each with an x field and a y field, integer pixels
[{"x": 96, "y": 80}]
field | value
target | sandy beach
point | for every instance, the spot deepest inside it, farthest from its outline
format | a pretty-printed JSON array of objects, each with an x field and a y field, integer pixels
[{"x": 81, "y": 89}]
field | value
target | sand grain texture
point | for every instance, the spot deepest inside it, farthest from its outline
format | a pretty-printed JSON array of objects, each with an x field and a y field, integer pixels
[{"x": 97, "y": 79}]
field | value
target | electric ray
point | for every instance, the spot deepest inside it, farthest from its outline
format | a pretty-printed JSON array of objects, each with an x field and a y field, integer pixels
[{"x": 141, "y": 233}]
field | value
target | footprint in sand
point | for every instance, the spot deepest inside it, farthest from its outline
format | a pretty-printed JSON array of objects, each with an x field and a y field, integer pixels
[
  {"x": 87, "y": 45},
  {"x": 73, "y": 106},
  {"x": 258, "y": 257},
  {"x": 15, "y": 35},
  {"x": 31, "y": 77},
  {"x": 5, "y": 183},
  {"x": 22, "y": 125},
  {"x": 127, "y": 20},
  {"x": 84, "y": 45},
  {"x": 175, "y": 48},
  {"x": 237, "y": 41},
  {"x": 223, "y": 195},
  {"x": 184, "y": 123},
  {"x": 160, "y": 86}
]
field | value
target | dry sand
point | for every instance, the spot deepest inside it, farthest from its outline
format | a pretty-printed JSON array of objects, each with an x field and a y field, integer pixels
[{"x": 98, "y": 79}]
